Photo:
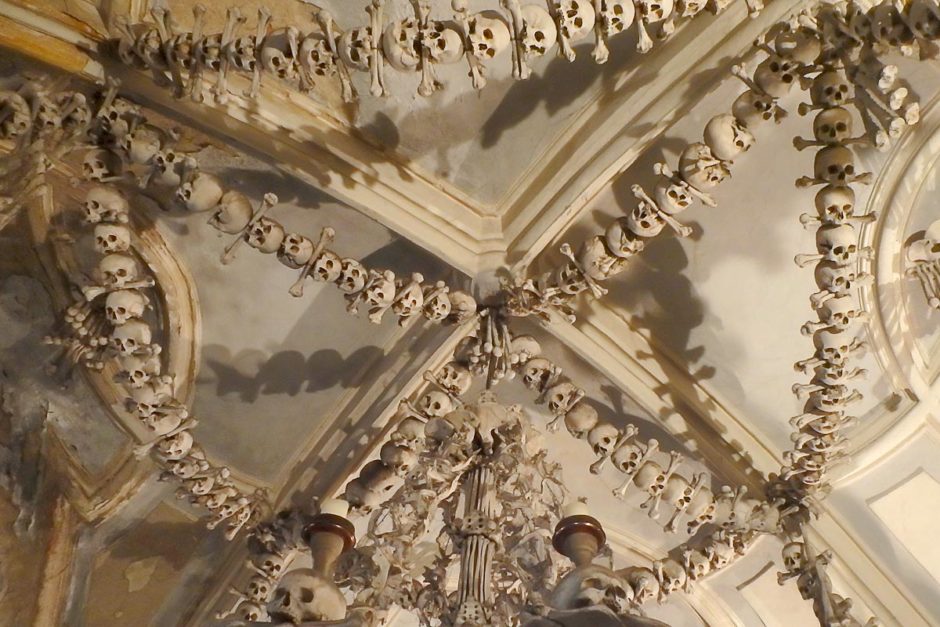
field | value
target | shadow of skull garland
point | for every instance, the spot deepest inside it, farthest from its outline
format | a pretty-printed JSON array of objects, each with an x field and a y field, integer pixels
[{"x": 478, "y": 465}]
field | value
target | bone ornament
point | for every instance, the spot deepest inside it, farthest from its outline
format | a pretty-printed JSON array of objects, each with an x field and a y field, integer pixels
[
  {"x": 652, "y": 12},
  {"x": 485, "y": 35},
  {"x": 233, "y": 213},
  {"x": 200, "y": 191},
  {"x": 836, "y": 243},
  {"x": 648, "y": 219},
  {"x": 658, "y": 486},
  {"x": 726, "y": 137},
  {"x": 313, "y": 263},
  {"x": 112, "y": 238},
  {"x": 923, "y": 258},
  {"x": 631, "y": 459},
  {"x": 574, "y": 20},
  {"x": 266, "y": 238},
  {"x": 835, "y": 205},
  {"x": 837, "y": 314}
]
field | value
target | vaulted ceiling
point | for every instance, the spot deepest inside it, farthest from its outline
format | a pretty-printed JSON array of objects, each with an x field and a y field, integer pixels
[{"x": 695, "y": 341}]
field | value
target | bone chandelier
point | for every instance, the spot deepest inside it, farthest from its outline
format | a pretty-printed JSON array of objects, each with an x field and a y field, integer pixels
[{"x": 462, "y": 515}]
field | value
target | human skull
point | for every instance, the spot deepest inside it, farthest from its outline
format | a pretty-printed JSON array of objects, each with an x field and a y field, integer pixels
[
  {"x": 355, "y": 47},
  {"x": 250, "y": 612},
  {"x": 726, "y": 138},
  {"x": 798, "y": 44},
  {"x": 132, "y": 337},
  {"x": 141, "y": 144},
  {"x": 592, "y": 586},
  {"x": 793, "y": 556},
  {"x": 112, "y": 238},
  {"x": 380, "y": 292},
  {"x": 616, "y": 16},
  {"x": 265, "y": 235},
  {"x": 834, "y": 165},
  {"x": 201, "y": 193},
  {"x": 444, "y": 44},
  {"x": 562, "y": 397},
  {"x": 602, "y": 438},
  {"x": 176, "y": 446},
  {"x": 648, "y": 477},
  {"x": 316, "y": 56},
  {"x": 277, "y": 53},
  {"x": 437, "y": 304},
  {"x": 889, "y": 28},
  {"x": 328, "y": 267},
  {"x": 597, "y": 262},
  {"x": 621, "y": 241},
  {"x": 122, "y": 305},
  {"x": 295, "y": 250},
  {"x": 627, "y": 457},
  {"x": 462, "y": 306},
  {"x": 400, "y": 44},
  {"x": 352, "y": 277},
  {"x": 719, "y": 554},
  {"x": 271, "y": 564},
  {"x": 139, "y": 370},
  {"x": 830, "y": 89},
  {"x": 455, "y": 377},
  {"x": 538, "y": 31},
  {"x": 700, "y": 168},
  {"x": 699, "y": 565},
  {"x": 149, "y": 399},
  {"x": 303, "y": 595},
  {"x": 118, "y": 269},
  {"x": 409, "y": 297},
  {"x": 18, "y": 118},
  {"x": 653, "y": 11},
  {"x": 837, "y": 243},
  {"x": 488, "y": 35},
  {"x": 840, "y": 311},
  {"x": 581, "y": 419},
  {"x": 575, "y": 18},
  {"x": 644, "y": 584},
  {"x": 186, "y": 467},
  {"x": 836, "y": 278},
  {"x": 752, "y": 108},
  {"x": 99, "y": 164},
  {"x": 832, "y": 126},
  {"x": 835, "y": 203},
  {"x": 400, "y": 459},
  {"x": 924, "y": 19},
  {"x": 645, "y": 220},
  {"x": 168, "y": 168},
  {"x": 672, "y": 197},
  {"x": 537, "y": 373},
  {"x": 233, "y": 213},
  {"x": 259, "y": 589},
  {"x": 776, "y": 75},
  {"x": 673, "y": 575},
  {"x": 241, "y": 53},
  {"x": 435, "y": 404},
  {"x": 570, "y": 280},
  {"x": 832, "y": 346}
]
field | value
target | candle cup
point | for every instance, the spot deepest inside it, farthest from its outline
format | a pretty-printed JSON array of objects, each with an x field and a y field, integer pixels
[
  {"x": 579, "y": 538},
  {"x": 328, "y": 536}
]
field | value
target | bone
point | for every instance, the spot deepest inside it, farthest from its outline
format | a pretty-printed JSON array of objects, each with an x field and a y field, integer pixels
[
  {"x": 229, "y": 254},
  {"x": 477, "y": 71},
  {"x": 652, "y": 502},
  {"x": 377, "y": 60},
  {"x": 651, "y": 447},
  {"x": 233, "y": 18},
  {"x": 326, "y": 237},
  {"x": 520, "y": 69},
  {"x": 680, "y": 229},
  {"x": 264, "y": 18},
  {"x": 326, "y": 22}
]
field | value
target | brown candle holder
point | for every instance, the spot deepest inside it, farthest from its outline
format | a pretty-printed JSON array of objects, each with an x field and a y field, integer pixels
[
  {"x": 328, "y": 537},
  {"x": 579, "y": 538}
]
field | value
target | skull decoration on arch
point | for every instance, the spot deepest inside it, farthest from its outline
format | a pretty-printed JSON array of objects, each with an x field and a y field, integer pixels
[
  {"x": 830, "y": 89},
  {"x": 643, "y": 582},
  {"x": 117, "y": 270},
  {"x": 435, "y": 404},
  {"x": 17, "y": 115},
  {"x": 575, "y": 21},
  {"x": 101, "y": 165},
  {"x": 112, "y": 238},
  {"x": 487, "y": 34},
  {"x": 700, "y": 168},
  {"x": 400, "y": 44},
  {"x": 131, "y": 338},
  {"x": 233, "y": 213},
  {"x": 590, "y": 586},
  {"x": 295, "y": 250},
  {"x": 751, "y": 108},
  {"x": 400, "y": 459},
  {"x": 776, "y": 75},
  {"x": 355, "y": 46},
  {"x": 176, "y": 446},
  {"x": 581, "y": 419},
  {"x": 352, "y": 277},
  {"x": 279, "y": 52},
  {"x": 266, "y": 235},
  {"x": 122, "y": 305},
  {"x": 201, "y": 192},
  {"x": 726, "y": 138},
  {"x": 621, "y": 240},
  {"x": 303, "y": 595},
  {"x": 105, "y": 204}
]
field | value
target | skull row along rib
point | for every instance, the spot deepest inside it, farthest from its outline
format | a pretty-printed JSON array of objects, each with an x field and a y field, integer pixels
[
  {"x": 272, "y": 548},
  {"x": 923, "y": 258},
  {"x": 793, "y": 52},
  {"x": 108, "y": 322},
  {"x": 134, "y": 144},
  {"x": 814, "y": 585},
  {"x": 151, "y": 395},
  {"x": 417, "y": 43}
]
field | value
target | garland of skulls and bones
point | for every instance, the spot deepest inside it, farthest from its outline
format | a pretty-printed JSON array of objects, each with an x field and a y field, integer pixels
[
  {"x": 420, "y": 43},
  {"x": 835, "y": 48}
]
